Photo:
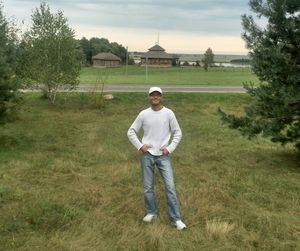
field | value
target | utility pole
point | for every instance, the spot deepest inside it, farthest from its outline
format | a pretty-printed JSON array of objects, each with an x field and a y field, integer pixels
[
  {"x": 126, "y": 68},
  {"x": 146, "y": 69}
]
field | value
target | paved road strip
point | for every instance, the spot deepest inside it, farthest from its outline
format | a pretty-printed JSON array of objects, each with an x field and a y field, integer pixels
[{"x": 145, "y": 88}]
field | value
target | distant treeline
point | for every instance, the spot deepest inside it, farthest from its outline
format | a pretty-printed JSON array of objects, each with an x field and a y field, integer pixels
[
  {"x": 240, "y": 61},
  {"x": 93, "y": 46}
]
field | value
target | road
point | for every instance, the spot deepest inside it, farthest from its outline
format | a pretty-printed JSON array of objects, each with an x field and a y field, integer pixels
[
  {"x": 145, "y": 88},
  {"x": 165, "y": 88}
]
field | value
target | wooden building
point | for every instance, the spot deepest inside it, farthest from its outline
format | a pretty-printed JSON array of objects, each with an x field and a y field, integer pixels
[
  {"x": 106, "y": 60},
  {"x": 156, "y": 57}
]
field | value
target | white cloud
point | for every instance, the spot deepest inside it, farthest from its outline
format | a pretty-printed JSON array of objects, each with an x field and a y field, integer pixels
[{"x": 196, "y": 20}]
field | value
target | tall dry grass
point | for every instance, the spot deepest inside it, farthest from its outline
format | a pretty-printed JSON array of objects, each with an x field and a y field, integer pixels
[{"x": 70, "y": 180}]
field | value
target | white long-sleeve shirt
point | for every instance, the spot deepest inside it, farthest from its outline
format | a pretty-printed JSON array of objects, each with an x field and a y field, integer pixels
[{"x": 158, "y": 127}]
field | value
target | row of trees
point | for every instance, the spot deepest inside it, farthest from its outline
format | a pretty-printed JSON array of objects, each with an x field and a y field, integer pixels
[{"x": 95, "y": 45}]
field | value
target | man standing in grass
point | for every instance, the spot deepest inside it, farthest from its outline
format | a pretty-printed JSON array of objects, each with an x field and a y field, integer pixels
[{"x": 158, "y": 123}]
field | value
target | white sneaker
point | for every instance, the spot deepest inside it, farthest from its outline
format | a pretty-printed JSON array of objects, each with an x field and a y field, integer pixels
[
  {"x": 179, "y": 225},
  {"x": 149, "y": 218}
]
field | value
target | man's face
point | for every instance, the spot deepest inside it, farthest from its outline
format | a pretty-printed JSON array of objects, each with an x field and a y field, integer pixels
[{"x": 155, "y": 98}]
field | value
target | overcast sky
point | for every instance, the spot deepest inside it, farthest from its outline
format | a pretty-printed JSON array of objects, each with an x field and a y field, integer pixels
[{"x": 189, "y": 26}]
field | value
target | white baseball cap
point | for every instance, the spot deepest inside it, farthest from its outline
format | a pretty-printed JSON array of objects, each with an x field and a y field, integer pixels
[{"x": 155, "y": 89}]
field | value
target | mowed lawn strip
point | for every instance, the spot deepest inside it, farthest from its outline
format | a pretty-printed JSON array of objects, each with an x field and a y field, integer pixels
[
  {"x": 169, "y": 76},
  {"x": 70, "y": 179}
]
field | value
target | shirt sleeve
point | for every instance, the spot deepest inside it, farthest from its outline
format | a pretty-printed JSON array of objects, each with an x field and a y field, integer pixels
[
  {"x": 133, "y": 130},
  {"x": 176, "y": 131}
]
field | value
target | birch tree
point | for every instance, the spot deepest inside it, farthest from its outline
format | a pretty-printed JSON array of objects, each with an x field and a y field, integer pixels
[{"x": 49, "y": 55}]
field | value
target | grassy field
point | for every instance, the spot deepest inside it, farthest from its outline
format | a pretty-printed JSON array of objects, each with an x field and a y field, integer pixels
[
  {"x": 70, "y": 180},
  {"x": 169, "y": 76}
]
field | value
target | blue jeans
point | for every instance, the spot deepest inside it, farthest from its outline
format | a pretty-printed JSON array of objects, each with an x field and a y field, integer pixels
[{"x": 163, "y": 163}]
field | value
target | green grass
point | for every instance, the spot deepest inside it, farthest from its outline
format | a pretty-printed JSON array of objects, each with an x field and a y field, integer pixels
[
  {"x": 70, "y": 180},
  {"x": 170, "y": 76}
]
